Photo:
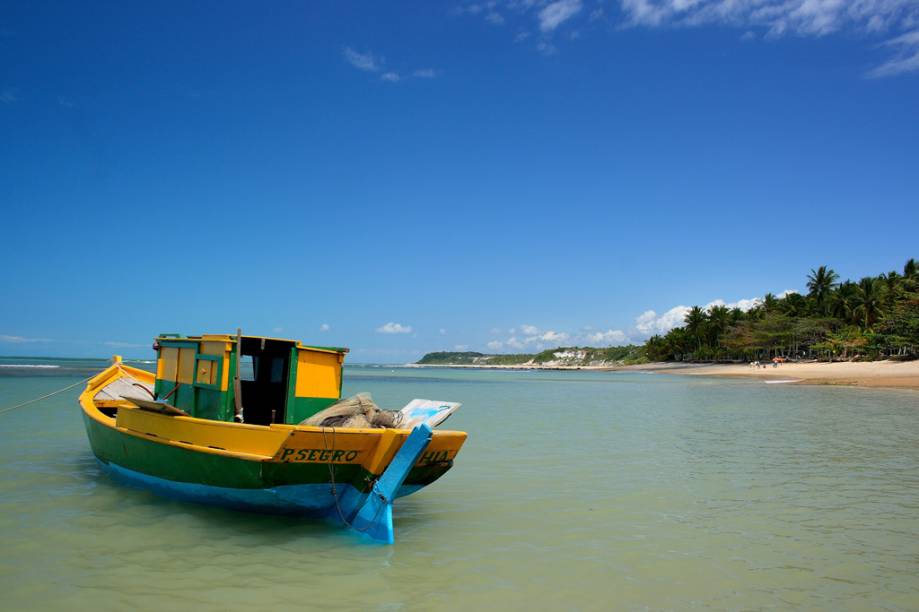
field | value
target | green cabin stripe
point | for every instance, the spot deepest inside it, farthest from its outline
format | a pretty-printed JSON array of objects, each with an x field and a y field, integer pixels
[{"x": 305, "y": 407}]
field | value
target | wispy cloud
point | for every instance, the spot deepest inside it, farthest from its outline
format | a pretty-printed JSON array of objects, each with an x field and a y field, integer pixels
[
  {"x": 777, "y": 18},
  {"x": 905, "y": 59},
  {"x": 325, "y": 327},
  {"x": 610, "y": 337},
  {"x": 494, "y": 18},
  {"x": 8, "y": 96},
  {"x": 555, "y": 14},
  {"x": 897, "y": 21},
  {"x": 531, "y": 338},
  {"x": 21, "y": 339},
  {"x": 367, "y": 62},
  {"x": 394, "y": 328}
]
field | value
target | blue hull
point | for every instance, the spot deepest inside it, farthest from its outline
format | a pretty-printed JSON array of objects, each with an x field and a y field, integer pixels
[{"x": 369, "y": 513}]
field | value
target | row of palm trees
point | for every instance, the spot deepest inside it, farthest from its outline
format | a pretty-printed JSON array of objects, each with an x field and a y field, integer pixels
[{"x": 878, "y": 316}]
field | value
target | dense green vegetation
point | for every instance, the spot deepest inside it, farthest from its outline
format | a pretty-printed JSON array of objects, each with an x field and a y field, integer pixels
[
  {"x": 570, "y": 356},
  {"x": 471, "y": 358},
  {"x": 612, "y": 354},
  {"x": 874, "y": 318}
]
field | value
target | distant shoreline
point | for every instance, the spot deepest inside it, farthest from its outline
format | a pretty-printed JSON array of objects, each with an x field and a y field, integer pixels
[{"x": 869, "y": 374}]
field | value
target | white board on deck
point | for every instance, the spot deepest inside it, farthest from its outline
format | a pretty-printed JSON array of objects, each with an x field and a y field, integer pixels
[{"x": 432, "y": 412}]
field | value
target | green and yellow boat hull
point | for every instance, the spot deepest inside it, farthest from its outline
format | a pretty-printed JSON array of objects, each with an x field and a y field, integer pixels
[{"x": 319, "y": 471}]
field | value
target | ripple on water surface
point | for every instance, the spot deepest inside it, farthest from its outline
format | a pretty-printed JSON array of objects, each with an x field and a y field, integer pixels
[{"x": 576, "y": 490}]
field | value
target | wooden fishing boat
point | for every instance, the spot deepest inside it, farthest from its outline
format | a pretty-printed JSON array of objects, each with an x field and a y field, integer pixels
[{"x": 219, "y": 422}]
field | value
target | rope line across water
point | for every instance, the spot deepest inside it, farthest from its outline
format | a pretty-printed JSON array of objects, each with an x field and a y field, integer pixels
[{"x": 53, "y": 393}]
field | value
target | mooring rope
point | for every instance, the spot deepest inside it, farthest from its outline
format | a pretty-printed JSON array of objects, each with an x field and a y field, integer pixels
[
  {"x": 53, "y": 393},
  {"x": 341, "y": 515}
]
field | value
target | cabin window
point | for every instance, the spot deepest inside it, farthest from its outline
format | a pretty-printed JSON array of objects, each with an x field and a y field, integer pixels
[
  {"x": 246, "y": 368},
  {"x": 278, "y": 369}
]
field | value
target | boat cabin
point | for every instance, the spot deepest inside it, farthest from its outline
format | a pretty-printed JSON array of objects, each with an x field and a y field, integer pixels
[{"x": 280, "y": 381}]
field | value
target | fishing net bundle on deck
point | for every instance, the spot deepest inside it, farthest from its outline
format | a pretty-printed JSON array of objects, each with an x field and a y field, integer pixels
[{"x": 357, "y": 411}]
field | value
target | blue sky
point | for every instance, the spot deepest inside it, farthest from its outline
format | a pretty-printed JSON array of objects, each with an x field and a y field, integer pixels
[{"x": 399, "y": 178}]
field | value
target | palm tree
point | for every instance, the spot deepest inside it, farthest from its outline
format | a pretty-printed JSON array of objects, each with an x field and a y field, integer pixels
[
  {"x": 911, "y": 275},
  {"x": 891, "y": 288},
  {"x": 793, "y": 304},
  {"x": 841, "y": 303},
  {"x": 820, "y": 283},
  {"x": 911, "y": 269},
  {"x": 868, "y": 301},
  {"x": 770, "y": 302},
  {"x": 718, "y": 318},
  {"x": 695, "y": 320}
]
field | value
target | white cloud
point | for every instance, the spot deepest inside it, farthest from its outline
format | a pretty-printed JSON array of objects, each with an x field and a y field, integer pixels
[
  {"x": 528, "y": 330},
  {"x": 905, "y": 59},
  {"x": 325, "y": 327},
  {"x": 898, "y": 19},
  {"x": 394, "y": 328},
  {"x": 794, "y": 17},
  {"x": 546, "y": 48},
  {"x": 787, "y": 292},
  {"x": 390, "y": 77},
  {"x": 21, "y": 339},
  {"x": 609, "y": 337},
  {"x": 367, "y": 62},
  {"x": 425, "y": 73},
  {"x": 553, "y": 336},
  {"x": 803, "y": 17},
  {"x": 495, "y": 345},
  {"x": 650, "y": 323},
  {"x": 556, "y": 13},
  {"x": 514, "y": 343},
  {"x": 744, "y": 305}
]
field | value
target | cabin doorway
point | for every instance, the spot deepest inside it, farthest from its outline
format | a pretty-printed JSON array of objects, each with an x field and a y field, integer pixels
[{"x": 264, "y": 369}]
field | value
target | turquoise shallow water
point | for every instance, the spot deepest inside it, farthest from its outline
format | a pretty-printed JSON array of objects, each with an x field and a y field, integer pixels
[{"x": 576, "y": 490}]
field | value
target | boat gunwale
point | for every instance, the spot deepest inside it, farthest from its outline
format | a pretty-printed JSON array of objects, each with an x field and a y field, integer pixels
[{"x": 118, "y": 370}]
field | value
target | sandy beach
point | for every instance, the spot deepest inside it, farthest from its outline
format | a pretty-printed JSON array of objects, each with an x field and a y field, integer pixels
[
  {"x": 887, "y": 374},
  {"x": 881, "y": 374}
]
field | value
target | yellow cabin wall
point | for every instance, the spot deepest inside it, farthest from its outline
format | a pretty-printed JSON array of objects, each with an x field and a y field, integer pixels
[
  {"x": 186, "y": 369},
  {"x": 219, "y": 349},
  {"x": 168, "y": 363},
  {"x": 318, "y": 374}
]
